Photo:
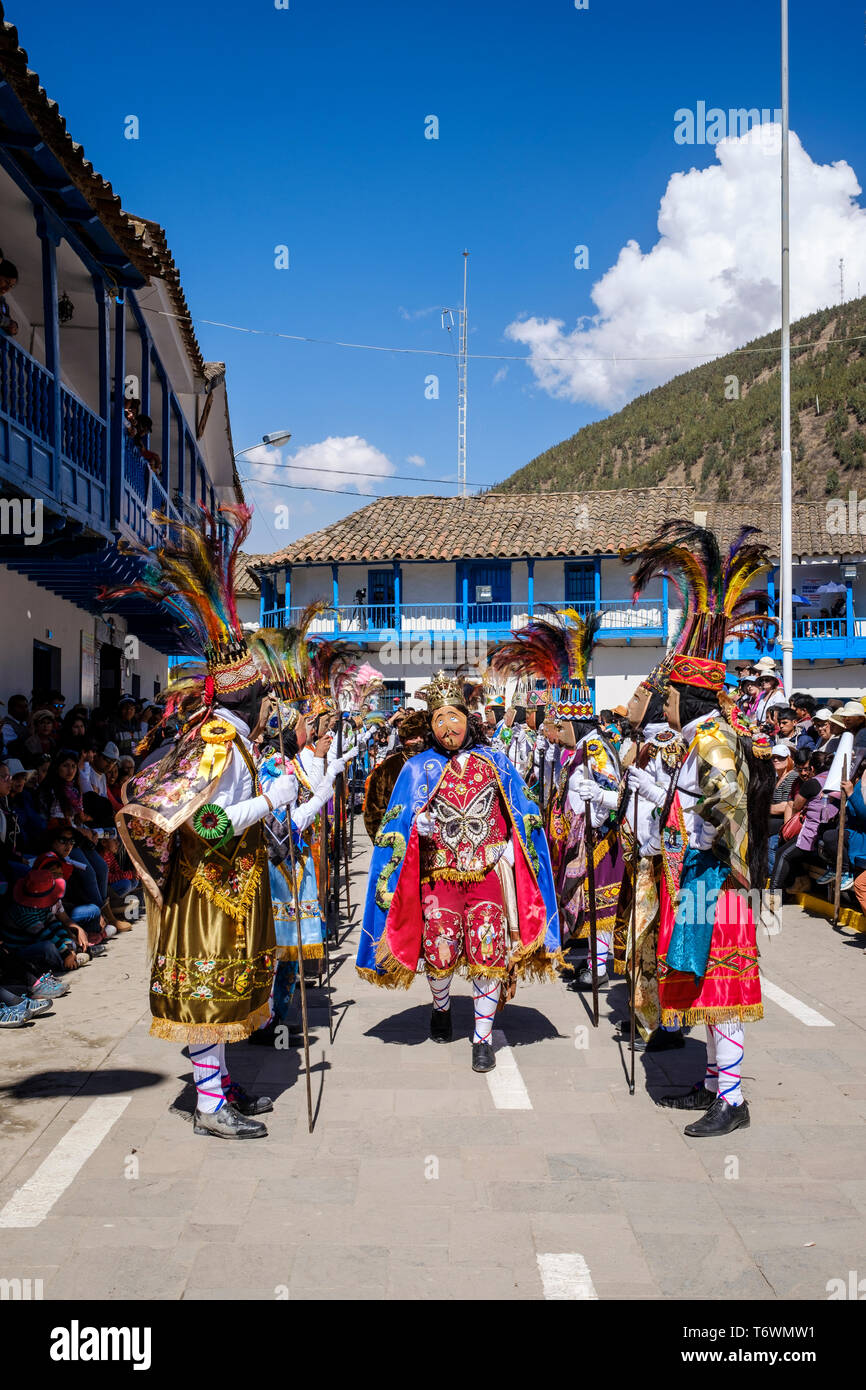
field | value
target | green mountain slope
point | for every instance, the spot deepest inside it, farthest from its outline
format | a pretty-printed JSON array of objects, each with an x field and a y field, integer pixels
[{"x": 721, "y": 434}]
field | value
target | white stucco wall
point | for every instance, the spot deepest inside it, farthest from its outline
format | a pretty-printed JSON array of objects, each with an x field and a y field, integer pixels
[{"x": 30, "y": 613}]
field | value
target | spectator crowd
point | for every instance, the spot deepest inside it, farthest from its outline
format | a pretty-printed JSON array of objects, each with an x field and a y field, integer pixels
[{"x": 67, "y": 886}]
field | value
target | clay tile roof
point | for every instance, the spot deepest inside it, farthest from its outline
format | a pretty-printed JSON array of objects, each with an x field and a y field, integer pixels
[
  {"x": 141, "y": 240},
  {"x": 495, "y": 525},
  {"x": 508, "y": 525},
  {"x": 46, "y": 117},
  {"x": 246, "y": 581}
]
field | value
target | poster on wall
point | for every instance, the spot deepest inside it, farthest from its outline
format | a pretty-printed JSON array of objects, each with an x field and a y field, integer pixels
[{"x": 88, "y": 670}]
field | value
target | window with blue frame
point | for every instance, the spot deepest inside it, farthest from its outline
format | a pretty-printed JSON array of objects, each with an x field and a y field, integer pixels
[
  {"x": 580, "y": 583},
  {"x": 489, "y": 591}
]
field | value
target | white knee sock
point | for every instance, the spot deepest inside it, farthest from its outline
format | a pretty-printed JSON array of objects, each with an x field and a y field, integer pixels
[
  {"x": 208, "y": 1065},
  {"x": 711, "y": 1080},
  {"x": 485, "y": 997},
  {"x": 730, "y": 1041},
  {"x": 602, "y": 947},
  {"x": 441, "y": 991}
]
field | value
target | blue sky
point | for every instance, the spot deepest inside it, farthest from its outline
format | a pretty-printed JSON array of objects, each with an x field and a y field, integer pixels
[{"x": 305, "y": 127}]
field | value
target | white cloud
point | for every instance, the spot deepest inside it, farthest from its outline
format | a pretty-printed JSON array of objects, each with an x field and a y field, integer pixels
[
  {"x": 417, "y": 459},
  {"x": 411, "y": 314},
  {"x": 500, "y": 375},
  {"x": 336, "y": 462},
  {"x": 711, "y": 281}
]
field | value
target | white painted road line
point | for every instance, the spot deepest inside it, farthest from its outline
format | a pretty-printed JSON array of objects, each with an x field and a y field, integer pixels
[
  {"x": 810, "y": 1017},
  {"x": 32, "y": 1202},
  {"x": 505, "y": 1082},
  {"x": 565, "y": 1277}
]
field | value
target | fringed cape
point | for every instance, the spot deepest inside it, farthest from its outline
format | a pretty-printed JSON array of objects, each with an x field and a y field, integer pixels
[{"x": 391, "y": 934}]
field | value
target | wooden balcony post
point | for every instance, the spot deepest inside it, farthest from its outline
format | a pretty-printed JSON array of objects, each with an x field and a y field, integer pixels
[
  {"x": 118, "y": 420},
  {"x": 464, "y": 599},
  {"x": 49, "y": 237},
  {"x": 530, "y": 584},
  {"x": 335, "y": 593},
  {"x": 102, "y": 329},
  {"x": 398, "y": 623}
]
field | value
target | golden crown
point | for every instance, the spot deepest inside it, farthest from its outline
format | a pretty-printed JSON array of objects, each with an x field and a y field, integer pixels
[{"x": 443, "y": 690}]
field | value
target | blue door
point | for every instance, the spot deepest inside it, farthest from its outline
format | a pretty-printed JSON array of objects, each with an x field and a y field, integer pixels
[
  {"x": 380, "y": 599},
  {"x": 489, "y": 592}
]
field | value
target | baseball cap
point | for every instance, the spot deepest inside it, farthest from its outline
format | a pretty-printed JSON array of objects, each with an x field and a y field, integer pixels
[{"x": 111, "y": 751}]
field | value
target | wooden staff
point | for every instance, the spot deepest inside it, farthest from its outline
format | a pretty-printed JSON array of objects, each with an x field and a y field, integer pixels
[
  {"x": 840, "y": 847},
  {"x": 589, "y": 843},
  {"x": 297, "y": 909},
  {"x": 635, "y": 861}
]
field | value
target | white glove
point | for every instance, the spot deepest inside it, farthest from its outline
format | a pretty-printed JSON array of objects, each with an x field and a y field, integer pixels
[
  {"x": 550, "y": 753},
  {"x": 706, "y": 833},
  {"x": 639, "y": 780},
  {"x": 586, "y": 790},
  {"x": 508, "y": 853},
  {"x": 283, "y": 791},
  {"x": 541, "y": 743},
  {"x": 425, "y": 823},
  {"x": 336, "y": 766}
]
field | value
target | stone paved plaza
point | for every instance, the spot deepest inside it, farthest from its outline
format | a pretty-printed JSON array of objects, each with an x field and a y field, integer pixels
[{"x": 422, "y": 1179}]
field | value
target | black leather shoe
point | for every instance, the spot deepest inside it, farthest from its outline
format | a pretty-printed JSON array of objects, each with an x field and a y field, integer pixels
[
  {"x": 698, "y": 1098},
  {"x": 584, "y": 979},
  {"x": 440, "y": 1025},
  {"x": 483, "y": 1057},
  {"x": 721, "y": 1118},
  {"x": 228, "y": 1123},
  {"x": 662, "y": 1040},
  {"x": 247, "y": 1104}
]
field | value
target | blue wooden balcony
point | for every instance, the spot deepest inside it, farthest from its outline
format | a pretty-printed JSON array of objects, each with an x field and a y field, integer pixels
[
  {"x": 828, "y": 639},
  {"x": 52, "y": 446},
  {"x": 621, "y": 620}
]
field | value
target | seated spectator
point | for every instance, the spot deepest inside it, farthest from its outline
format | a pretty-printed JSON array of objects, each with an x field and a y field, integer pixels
[
  {"x": 16, "y": 720},
  {"x": 854, "y": 717},
  {"x": 112, "y": 786},
  {"x": 8, "y": 281},
  {"x": 144, "y": 426},
  {"x": 40, "y": 738},
  {"x": 94, "y": 774},
  {"x": 72, "y": 730},
  {"x": 855, "y": 836},
  {"x": 85, "y": 763},
  {"x": 804, "y": 707},
  {"x": 810, "y": 809},
  {"x": 783, "y": 766},
  {"x": 77, "y": 901},
  {"x": 125, "y": 732},
  {"x": 790, "y": 731},
  {"x": 35, "y": 928},
  {"x": 125, "y": 767},
  {"x": 824, "y": 730},
  {"x": 25, "y": 803}
]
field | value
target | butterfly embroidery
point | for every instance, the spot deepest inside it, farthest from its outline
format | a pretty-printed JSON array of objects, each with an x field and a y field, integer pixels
[{"x": 464, "y": 824}]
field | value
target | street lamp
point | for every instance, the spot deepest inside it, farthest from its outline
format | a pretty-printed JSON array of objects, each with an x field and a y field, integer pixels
[{"x": 273, "y": 440}]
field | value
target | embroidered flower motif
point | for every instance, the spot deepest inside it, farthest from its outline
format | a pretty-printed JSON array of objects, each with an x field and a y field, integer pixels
[
  {"x": 201, "y": 992},
  {"x": 156, "y": 988}
]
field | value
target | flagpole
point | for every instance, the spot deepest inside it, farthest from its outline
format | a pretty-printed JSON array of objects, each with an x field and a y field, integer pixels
[{"x": 786, "y": 550}]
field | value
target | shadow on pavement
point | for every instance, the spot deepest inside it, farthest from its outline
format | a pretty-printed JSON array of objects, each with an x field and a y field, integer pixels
[
  {"x": 411, "y": 1026},
  {"x": 43, "y": 1085}
]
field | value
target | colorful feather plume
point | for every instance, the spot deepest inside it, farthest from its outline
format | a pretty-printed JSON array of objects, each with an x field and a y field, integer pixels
[
  {"x": 330, "y": 660},
  {"x": 283, "y": 654},
  {"x": 718, "y": 601},
  {"x": 356, "y": 684},
  {"x": 555, "y": 648},
  {"x": 191, "y": 573}
]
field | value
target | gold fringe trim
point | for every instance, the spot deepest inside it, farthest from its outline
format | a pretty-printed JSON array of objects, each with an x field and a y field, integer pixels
[
  {"x": 171, "y": 1031},
  {"x": 456, "y": 876},
  {"x": 750, "y": 1013},
  {"x": 397, "y": 975},
  {"x": 235, "y": 907},
  {"x": 314, "y": 952},
  {"x": 485, "y": 972}
]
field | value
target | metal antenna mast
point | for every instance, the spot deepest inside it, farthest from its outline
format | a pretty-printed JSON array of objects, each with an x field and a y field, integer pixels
[{"x": 462, "y": 402}]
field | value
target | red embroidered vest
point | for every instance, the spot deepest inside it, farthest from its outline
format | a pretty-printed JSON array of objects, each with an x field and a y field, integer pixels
[{"x": 470, "y": 829}]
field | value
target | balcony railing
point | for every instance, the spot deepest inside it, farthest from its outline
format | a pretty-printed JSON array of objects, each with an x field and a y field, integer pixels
[{"x": 379, "y": 621}]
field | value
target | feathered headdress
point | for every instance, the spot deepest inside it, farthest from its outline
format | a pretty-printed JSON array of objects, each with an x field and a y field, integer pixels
[
  {"x": 283, "y": 654},
  {"x": 715, "y": 592},
  {"x": 556, "y": 649},
  {"x": 356, "y": 684},
  {"x": 191, "y": 574}
]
